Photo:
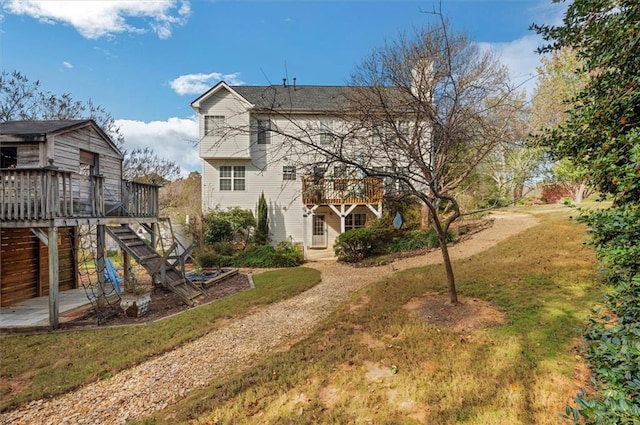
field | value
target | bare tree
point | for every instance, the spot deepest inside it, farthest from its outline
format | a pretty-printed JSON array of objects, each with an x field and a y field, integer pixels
[{"x": 424, "y": 111}]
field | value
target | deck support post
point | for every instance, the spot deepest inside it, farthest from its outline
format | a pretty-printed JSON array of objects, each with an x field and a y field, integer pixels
[
  {"x": 52, "y": 243},
  {"x": 100, "y": 264}
]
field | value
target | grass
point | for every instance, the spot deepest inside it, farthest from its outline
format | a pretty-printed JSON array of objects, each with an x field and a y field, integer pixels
[
  {"x": 46, "y": 365},
  {"x": 521, "y": 372}
]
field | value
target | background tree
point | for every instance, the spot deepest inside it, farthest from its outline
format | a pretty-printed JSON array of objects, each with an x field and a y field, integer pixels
[
  {"x": 262, "y": 226},
  {"x": 22, "y": 99},
  {"x": 602, "y": 135},
  {"x": 558, "y": 84},
  {"x": 429, "y": 106}
]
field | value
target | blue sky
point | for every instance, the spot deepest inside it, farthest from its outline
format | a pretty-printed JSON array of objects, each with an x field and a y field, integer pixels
[{"x": 146, "y": 61}]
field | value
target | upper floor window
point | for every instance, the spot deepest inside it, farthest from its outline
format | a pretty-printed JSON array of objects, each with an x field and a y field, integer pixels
[
  {"x": 213, "y": 125},
  {"x": 264, "y": 131},
  {"x": 8, "y": 157},
  {"x": 288, "y": 172},
  {"x": 232, "y": 178},
  {"x": 404, "y": 129},
  {"x": 326, "y": 131}
]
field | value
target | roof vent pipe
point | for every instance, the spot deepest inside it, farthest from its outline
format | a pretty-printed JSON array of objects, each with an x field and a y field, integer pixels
[
  {"x": 294, "y": 83},
  {"x": 284, "y": 82}
]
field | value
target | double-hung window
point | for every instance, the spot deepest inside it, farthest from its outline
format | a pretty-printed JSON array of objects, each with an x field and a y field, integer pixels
[
  {"x": 355, "y": 221},
  {"x": 232, "y": 178},
  {"x": 263, "y": 128},
  {"x": 213, "y": 125},
  {"x": 404, "y": 128},
  {"x": 288, "y": 172},
  {"x": 326, "y": 131}
]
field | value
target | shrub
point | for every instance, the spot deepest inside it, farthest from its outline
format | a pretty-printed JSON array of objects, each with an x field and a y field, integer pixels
[
  {"x": 434, "y": 242},
  {"x": 354, "y": 245},
  {"x": 205, "y": 257},
  {"x": 414, "y": 240},
  {"x": 285, "y": 255}
]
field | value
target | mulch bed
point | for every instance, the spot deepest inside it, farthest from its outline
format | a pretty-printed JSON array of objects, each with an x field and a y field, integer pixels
[{"x": 163, "y": 304}]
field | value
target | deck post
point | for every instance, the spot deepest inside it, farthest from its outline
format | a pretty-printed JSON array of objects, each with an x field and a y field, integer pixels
[
  {"x": 100, "y": 266},
  {"x": 53, "y": 275}
]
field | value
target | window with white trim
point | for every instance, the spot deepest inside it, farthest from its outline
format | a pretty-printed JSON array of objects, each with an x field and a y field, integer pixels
[
  {"x": 232, "y": 178},
  {"x": 288, "y": 172},
  {"x": 213, "y": 125},
  {"x": 326, "y": 131},
  {"x": 355, "y": 221},
  {"x": 263, "y": 128},
  {"x": 404, "y": 129}
]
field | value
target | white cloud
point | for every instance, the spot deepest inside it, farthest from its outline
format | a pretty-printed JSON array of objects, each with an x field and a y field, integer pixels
[
  {"x": 173, "y": 139},
  {"x": 199, "y": 83},
  {"x": 99, "y": 18},
  {"x": 67, "y": 64},
  {"x": 520, "y": 57}
]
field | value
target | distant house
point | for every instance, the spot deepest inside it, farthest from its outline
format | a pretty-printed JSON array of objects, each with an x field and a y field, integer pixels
[
  {"x": 57, "y": 178},
  {"x": 242, "y": 157}
]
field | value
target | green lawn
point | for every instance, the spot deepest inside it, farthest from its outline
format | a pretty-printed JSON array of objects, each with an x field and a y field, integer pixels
[
  {"x": 45, "y": 365},
  {"x": 374, "y": 362}
]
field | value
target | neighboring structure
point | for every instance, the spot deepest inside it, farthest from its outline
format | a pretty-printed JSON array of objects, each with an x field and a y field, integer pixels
[
  {"x": 57, "y": 178},
  {"x": 243, "y": 156}
]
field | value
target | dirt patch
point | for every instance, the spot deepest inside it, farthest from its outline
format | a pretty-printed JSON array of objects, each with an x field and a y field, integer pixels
[
  {"x": 470, "y": 314},
  {"x": 163, "y": 304}
]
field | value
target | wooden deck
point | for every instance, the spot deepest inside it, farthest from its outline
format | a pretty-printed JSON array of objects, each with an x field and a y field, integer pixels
[
  {"x": 34, "y": 196},
  {"x": 368, "y": 190}
]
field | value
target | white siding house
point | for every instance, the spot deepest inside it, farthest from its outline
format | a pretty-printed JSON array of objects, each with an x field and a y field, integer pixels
[{"x": 243, "y": 157}]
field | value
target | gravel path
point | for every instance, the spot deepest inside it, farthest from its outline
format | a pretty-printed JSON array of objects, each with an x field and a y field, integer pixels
[{"x": 154, "y": 384}]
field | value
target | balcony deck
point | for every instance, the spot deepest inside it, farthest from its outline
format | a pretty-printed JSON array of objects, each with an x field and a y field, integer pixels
[
  {"x": 36, "y": 196},
  {"x": 368, "y": 190}
]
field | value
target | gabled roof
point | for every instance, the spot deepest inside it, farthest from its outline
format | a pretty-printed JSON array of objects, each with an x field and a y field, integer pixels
[
  {"x": 39, "y": 130},
  {"x": 290, "y": 98},
  {"x": 296, "y": 98},
  {"x": 36, "y": 127}
]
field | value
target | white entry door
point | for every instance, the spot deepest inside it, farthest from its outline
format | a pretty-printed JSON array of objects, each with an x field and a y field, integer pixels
[{"x": 319, "y": 234}]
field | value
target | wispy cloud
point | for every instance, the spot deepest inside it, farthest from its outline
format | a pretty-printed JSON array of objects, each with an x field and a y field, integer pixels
[
  {"x": 172, "y": 139},
  {"x": 67, "y": 64},
  {"x": 101, "y": 18},
  {"x": 520, "y": 55},
  {"x": 199, "y": 83}
]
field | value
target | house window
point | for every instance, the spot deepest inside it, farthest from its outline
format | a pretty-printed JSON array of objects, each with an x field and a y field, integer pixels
[
  {"x": 326, "y": 132},
  {"x": 264, "y": 132},
  {"x": 213, "y": 125},
  {"x": 288, "y": 172},
  {"x": 403, "y": 129},
  {"x": 354, "y": 221},
  {"x": 232, "y": 178},
  {"x": 8, "y": 157}
]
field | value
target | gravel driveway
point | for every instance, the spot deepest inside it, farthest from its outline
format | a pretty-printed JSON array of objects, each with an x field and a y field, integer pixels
[{"x": 156, "y": 383}]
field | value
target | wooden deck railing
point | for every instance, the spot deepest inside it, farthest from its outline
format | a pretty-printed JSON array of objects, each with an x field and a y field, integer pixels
[
  {"x": 139, "y": 199},
  {"x": 368, "y": 190},
  {"x": 28, "y": 194},
  {"x": 32, "y": 194}
]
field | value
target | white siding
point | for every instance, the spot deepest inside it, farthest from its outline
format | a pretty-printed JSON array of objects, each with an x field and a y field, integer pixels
[{"x": 235, "y": 141}]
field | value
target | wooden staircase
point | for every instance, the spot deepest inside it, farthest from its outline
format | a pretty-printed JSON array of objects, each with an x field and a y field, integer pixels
[{"x": 156, "y": 265}]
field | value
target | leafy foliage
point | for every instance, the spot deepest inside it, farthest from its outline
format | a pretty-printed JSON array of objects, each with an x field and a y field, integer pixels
[
  {"x": 262, "y": 229},
  {"x": 602, "y": 135},
  {"x": 234, "y": 224}
]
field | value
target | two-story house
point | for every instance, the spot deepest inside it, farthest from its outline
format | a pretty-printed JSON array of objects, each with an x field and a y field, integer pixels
[
  {"x": 245, "y": 151},
  {"x": 61, "y": 194}
]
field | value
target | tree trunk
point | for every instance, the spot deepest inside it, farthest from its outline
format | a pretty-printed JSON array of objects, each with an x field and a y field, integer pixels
[{"x": 444, "y": 249}]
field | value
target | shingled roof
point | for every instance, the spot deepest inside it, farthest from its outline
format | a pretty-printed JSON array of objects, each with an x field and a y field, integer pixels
[
  {"x": 36, "y": 127},
  {"x": 297, "y": 98}
]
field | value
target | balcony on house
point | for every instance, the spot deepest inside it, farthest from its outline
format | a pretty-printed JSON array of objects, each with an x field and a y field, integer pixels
[
  {"x": 325, "y": 191},
  {"x": 36, "y": 194}
]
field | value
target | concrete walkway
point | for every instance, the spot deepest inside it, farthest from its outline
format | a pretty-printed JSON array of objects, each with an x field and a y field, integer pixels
[{"x": 35, "y": 311}]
